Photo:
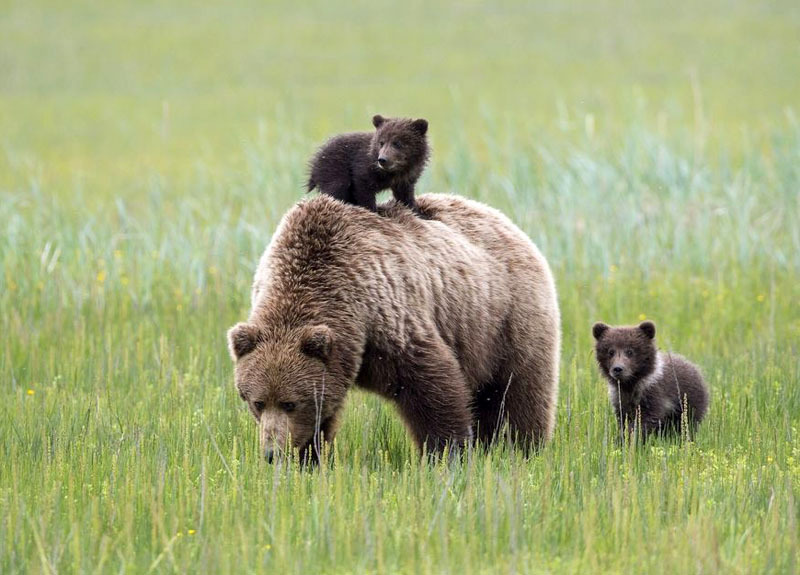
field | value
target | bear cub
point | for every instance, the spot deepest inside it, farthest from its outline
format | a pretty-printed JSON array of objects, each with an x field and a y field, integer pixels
[
  {"x": 355, "y": 167},
  {"x": 648, "y": 388}
]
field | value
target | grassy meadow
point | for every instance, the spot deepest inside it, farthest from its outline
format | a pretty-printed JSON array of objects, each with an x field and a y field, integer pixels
[{"x": 147, "y": 152}]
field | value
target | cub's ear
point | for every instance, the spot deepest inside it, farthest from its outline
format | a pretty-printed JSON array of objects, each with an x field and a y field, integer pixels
[
  {"x": 378, "y": 120},
  {"x": 242, "y": 339},
  {"x": 599, "y": 329},
  {"x": 649, "y": 329},
  {"x": 316, "y": 342},
  {"x": 421, "y": 126}
]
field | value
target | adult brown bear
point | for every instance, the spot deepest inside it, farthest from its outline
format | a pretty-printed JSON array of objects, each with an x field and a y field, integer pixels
[{"x": 454, "y": 318}]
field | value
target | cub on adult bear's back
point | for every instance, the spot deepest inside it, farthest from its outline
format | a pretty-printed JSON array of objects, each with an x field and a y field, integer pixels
[
  {"x": 647, "y": 387},
  {"x": 355, "y": 167}
]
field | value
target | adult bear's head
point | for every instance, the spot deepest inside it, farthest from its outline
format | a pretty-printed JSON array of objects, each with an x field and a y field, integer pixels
[{"x": 292, "y": 381}]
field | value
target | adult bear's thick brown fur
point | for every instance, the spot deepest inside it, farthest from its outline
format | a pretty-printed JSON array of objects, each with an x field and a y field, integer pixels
[{"x": 453, "y": 318}]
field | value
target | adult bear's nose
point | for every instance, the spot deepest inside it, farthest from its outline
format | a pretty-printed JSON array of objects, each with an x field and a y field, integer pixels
[{"x": 382, "y": 160}]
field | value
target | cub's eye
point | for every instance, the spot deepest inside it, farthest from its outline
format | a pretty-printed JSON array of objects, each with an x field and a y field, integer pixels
[
  {"x": 382, "y": 143},
  {"x": 287, "y": 406},
  {"x": 610, "y": 353},
  {"x": 259, "y": 405},
  {"x": 629, "y": 353}
]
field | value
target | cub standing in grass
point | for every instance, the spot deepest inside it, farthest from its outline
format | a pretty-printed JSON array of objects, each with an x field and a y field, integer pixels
[
  {"x": 647, "y": 387},
  {"x": 355, "y": 167}
]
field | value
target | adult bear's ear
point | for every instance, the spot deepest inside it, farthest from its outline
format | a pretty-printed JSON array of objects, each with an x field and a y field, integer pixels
[
  {"x": 649, "y": 329},
  {"x": 316, "y": 342},
  {"x": 421, "y": 126},
  {"x": 378, "y": 120},
  {"x": 242, "y": 339},
  {"x": 599, "y": 329}
]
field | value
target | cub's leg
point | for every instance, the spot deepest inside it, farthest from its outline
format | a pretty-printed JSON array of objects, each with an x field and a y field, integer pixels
[
  {"x": 404, "y": 193},
  {"x": 364, "y": 195},
  {"x": 341, "y": 190}
]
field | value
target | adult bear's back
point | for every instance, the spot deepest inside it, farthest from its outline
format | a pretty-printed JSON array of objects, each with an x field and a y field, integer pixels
[{"x": 461, "y": 242}]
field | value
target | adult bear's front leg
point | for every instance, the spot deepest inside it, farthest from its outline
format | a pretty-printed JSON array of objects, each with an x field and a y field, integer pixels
[
  {"x": 321, "y": 440},
  {"x": 432, "y": 396}
]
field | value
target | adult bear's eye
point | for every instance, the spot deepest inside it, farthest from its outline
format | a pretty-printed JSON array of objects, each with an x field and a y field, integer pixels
[
  {"x": 259, "y": 405},
  {"x": 287, "y": 406}
]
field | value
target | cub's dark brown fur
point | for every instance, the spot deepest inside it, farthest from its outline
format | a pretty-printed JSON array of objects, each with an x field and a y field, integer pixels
[
  {"x": 647, "y": 387},
  {"x": 454, "y": 319},
  {"x": 355, "y": 167}
]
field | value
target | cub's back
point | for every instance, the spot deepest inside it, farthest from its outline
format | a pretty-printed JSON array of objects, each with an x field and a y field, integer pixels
[
  {"x": 339, "y": 152},
  {"x": 681, "y": 379}
]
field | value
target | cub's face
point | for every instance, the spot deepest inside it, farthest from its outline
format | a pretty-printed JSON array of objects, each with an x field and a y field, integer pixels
[
  {"x": 625, "y": 354},
  {"x": 284, "y": 379},
  {"x": 399, "y": 143}
]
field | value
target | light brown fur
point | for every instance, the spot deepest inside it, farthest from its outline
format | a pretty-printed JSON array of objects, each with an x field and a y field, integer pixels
[{"x": 449, "y": 317}]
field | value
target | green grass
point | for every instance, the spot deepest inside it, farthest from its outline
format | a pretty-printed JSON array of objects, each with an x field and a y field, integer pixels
[{"x": 146, "y": 154}]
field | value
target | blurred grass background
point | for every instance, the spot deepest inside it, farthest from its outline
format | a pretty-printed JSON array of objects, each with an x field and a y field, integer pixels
[
  {"x": 147, "y": 151},
  {"x": 109, "y": 92}
]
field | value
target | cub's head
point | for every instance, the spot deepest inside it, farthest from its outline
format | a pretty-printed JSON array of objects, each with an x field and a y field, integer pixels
[
  {"x": 399, "y": 143},
  {"x": 625, "y": 354},
  {"x": 284, "y": 376}
]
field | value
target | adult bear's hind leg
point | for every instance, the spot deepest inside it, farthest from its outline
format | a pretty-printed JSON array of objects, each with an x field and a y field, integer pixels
[
  {"x": 490, "y": 410},
  {"x": 531, "y": 393}
]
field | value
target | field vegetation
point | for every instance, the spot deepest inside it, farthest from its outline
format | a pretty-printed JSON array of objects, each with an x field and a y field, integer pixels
[{"x": 147, "y": 152}]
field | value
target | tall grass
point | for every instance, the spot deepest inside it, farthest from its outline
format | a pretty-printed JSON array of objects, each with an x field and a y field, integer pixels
[
  {"x": 126, "y": 447},
  {"x": 147, "y": 152}
]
